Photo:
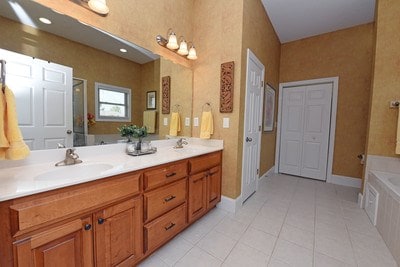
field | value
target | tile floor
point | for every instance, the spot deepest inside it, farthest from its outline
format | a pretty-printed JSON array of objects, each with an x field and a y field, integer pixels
[{"x": 289, "y": 221}]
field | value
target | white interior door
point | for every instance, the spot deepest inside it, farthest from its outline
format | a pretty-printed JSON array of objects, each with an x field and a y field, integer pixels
[
  {"x": 305, "y": 130},
  {"x": 252, "y": 125},
  {"x": 43, "y": 94}
]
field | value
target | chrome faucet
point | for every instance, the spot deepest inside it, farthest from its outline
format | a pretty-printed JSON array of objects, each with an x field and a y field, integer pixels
[
  {"x": 71, "y": 158},
  {"x": 180, "y": 143}
]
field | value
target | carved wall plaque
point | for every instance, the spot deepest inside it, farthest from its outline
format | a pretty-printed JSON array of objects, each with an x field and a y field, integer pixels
[
  {"x": 166, "y": 99},
  {"x": 226, "y": 90}
]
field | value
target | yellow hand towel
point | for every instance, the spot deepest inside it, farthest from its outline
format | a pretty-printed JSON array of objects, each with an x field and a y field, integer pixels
[
  {"x": 4, "y": 144},
  {"x": 398, "y": 134},
  {"x": 149, "y": 120},
  {"x": 207, "y": 125},
  {"x": 17, "y": 148},
  {"x": 175, "y": 124}
]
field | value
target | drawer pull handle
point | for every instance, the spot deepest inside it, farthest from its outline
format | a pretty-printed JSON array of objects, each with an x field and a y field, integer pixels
[
  {"x": 169, "y": 226},
  {"x": 88, "y": 226},
  {"x": 168, "y": 199},
  {"x": 170, "y": 174},
  {"x": 101, "y": 221}
]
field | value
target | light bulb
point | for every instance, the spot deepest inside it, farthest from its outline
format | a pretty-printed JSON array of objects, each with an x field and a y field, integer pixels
[
  {"x": 192, "y": 53},
  {"x": 172, "y": 42},
  {"x": 99, "y": 6},
  {"x": 183, "y": 50}
]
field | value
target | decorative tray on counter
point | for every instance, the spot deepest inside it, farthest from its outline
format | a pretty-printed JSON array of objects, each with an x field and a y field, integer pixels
[{"x": 141, "y": 153}]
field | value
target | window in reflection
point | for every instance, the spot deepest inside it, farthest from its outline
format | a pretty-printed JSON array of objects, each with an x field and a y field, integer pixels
[{"x": 112, "y": 103}]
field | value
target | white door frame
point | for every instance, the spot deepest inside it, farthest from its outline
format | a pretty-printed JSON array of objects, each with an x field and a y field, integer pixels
[
  {"x": 335, "y": 89},
  {"x": 252, "y": 56}
]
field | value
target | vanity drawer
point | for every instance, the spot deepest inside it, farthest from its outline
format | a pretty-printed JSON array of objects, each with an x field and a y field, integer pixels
[
  {"x": 50, "y": 208},
  {"x": 160, "y": 176},
  {"x": 164, "y": 227},
  {"x": 164, "y": 199},
  {"x": 205, "y": 162}
]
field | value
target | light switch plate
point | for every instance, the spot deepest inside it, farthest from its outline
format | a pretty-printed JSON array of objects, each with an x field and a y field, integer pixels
[
  {"x": 225, "y": 123},
  {"x": 165, "y": 121},
  {"x": 196, "y": 122},
  {"x": 187, "y": 121}
]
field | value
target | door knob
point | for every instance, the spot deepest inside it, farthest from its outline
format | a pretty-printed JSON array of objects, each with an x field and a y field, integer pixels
[
  {"x": 248, "y": 139},
  {"x": 69, "y": 132}
]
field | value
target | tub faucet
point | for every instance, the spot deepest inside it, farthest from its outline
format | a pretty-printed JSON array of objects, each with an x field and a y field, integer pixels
[
  {"x": 71, "y": 158},
  {"x": 180, "y": 143}
]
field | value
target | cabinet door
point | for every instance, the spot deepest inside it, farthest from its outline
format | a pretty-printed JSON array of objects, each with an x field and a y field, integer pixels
[
  {"x": 119, "y": 234},
  {"x": 70, "y": 244},
  {"x": 197, "y": 195},
  {"x": 213, "y": 187}
]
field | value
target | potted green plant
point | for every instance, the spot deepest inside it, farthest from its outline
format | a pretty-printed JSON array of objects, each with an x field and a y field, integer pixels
[{"x": 133, "y": 131}]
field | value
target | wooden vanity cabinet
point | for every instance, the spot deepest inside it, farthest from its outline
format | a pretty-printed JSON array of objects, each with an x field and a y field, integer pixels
[
  {"x": 93, "y": 224},
  {"x": 69, "y": 244},
  {"x": 204, "y": 184}
]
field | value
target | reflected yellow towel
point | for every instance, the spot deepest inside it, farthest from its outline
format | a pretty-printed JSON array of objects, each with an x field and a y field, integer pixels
[
  {"x": 17, "y": 148},
  {"x": 398, "y": 134},
  {"x": 175, "y": 124},
  {"x": 4, "y": 144},
  {"x": 149, "y": 120},
  {"x": 207, "y": 125}
]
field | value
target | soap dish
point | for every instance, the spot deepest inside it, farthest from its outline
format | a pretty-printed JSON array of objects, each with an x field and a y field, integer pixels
[{"x": 141, "y": 153}]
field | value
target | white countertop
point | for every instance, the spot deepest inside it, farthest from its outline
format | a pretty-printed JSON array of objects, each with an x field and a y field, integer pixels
[{"x": 22, "y": 178}]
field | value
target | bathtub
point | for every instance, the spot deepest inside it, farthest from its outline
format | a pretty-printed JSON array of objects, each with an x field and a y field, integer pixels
[{"x": 387, "y": 186}]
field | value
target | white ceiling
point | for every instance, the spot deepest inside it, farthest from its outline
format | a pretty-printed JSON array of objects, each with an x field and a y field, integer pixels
[
  {"x": 298, "y": 19},
  {"x": 28, "y": 12}
]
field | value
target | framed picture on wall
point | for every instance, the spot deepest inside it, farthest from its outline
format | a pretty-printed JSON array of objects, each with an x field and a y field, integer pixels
[
  {"x": 269, "y": 108},
  {"x": 151, "y": 100}
]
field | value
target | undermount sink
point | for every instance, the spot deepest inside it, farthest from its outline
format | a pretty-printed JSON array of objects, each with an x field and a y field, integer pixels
[{"x": 75, "y": 171}]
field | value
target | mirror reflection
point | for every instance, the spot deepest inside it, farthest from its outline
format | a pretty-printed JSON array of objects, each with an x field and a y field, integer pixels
[{"x": 102, "y": 63}]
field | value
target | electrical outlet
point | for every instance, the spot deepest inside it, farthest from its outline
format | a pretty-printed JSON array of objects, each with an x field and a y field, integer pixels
[
  {"x": 165, "y": 121},
  {"x": 225, "y": 123},
  {"x": 187, "y": 121}
]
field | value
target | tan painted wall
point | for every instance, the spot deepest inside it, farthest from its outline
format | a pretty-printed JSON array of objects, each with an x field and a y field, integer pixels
[
  {"x": 260, "y": 37},
  {"x": 348, "y": 54},
  {"x": 150, "y": 81},
  {"x": 88, "y": 63},
  {"x": 137, "y": 21},
  {"x": 386, "y": 81},
  {"x": 181, "y": 94},
  {"x": 218, "y": 35}
]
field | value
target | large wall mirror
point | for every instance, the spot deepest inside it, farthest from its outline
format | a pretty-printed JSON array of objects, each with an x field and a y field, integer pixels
[{"x": 86, "y": 57}]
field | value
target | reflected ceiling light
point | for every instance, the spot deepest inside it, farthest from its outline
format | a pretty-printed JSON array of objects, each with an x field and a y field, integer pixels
[
  {"x": 99, "y": 6},
  {"x": 123, "y": 50},
  {"x": 45, "y": 21},
  {"x": 172, "y": 44}
]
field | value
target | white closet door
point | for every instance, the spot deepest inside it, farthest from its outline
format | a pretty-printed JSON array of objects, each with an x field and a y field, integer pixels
[
  {"x": 292, "y": 130},
  {"x": 43, "y": 94},
  {"x": 306, "y": 113}
]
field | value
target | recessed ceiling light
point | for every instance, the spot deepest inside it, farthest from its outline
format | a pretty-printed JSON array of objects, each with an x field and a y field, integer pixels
[
  {"x": 45, "y": 21},
  {"x": 123, "y": 50}
]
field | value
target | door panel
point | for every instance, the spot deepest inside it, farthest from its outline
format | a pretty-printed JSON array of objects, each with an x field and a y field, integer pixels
[
  {"x": 305, "y": 130},
  {"x": 43, "y": 95},
  {"x": 253, "y": 121}
]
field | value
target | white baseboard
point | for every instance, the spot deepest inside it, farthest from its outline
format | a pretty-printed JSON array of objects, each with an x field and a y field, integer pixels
[
  {"x": 229, "y": 204},
  {"x": 346, "y": 181},
  {"x": 268, "y": 173}
]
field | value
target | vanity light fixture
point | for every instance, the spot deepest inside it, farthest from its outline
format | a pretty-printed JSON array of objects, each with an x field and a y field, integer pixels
[
  {"x": 44, "y": 20},
  {"x": 172, "y": 44}
]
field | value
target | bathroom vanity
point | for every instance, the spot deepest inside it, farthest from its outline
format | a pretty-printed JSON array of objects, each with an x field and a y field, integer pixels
[{"x": 112, "y": 220}]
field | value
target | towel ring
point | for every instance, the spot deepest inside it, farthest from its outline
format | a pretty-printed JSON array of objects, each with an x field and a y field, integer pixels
[
  {"x": 177, "y": 108},
  {"x": 206, "y": 107},
  {"x": 3, "y": 75}
]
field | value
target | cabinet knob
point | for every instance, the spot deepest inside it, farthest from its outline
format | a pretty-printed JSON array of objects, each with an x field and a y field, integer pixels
[
  {"x": 169, "y": 226},
  {"x": 88, "y": 226},
  {"x": 100, "y": 220}
]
